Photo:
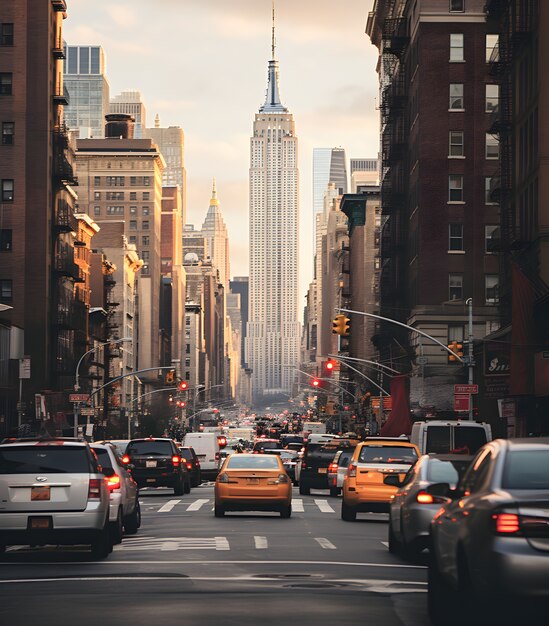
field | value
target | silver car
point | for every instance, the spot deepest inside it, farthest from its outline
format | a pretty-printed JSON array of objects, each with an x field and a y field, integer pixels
[
  {"x": 125, "y": 512},
  {"x": 337, "y": 470},
  {"x": 52, "y": 491},
  {"x": 412, "y": 508},
  {"x": 490, "y": 542}
]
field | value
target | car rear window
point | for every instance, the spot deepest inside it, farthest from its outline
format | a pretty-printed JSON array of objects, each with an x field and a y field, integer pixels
[
  {"x": 186, "y": 454},
  {"x": 266, "y": 445},
  {"x": 469, "y": 439},
  {"x": 239, "y": 461},
  {"x": 446, "y": 471},
  {"x": 387, "y": 454},
  {"x": 152, "y": 448},
  {"x": 39, "y": 459},
  {"x": 103, "y": 458},
  {"x": 526, "y": 469}
]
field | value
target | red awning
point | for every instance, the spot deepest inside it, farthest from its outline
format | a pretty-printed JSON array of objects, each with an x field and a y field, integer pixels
[{"x": 399, "y": 422}]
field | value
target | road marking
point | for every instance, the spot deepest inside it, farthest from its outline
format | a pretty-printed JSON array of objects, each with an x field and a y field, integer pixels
[
  {"x": 324, "y": 506},
  {"x": 221, "y": 543},
  {"x": 197, "y": 504},
  {"x": 297, "y": 506},
  {"x": 324, "y": 543},
  {"x": 166, "y": 508},
  {"x": 385, "y": 543},
  {"x": 261, "y": 543},
  {"x": 172, "y": 544}
]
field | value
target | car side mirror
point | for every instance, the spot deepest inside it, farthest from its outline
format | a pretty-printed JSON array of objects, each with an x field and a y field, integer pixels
[
  {"x": 107, "y": 471},
  {"x": 392, "y": 479}
]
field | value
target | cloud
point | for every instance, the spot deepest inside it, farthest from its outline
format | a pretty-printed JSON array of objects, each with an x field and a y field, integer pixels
[{"x": 122, "y": 15}]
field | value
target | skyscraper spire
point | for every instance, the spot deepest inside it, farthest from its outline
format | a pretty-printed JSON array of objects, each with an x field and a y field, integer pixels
[
  {"x": 214, "y": 201},
  {"x": 272, "y": 101}
]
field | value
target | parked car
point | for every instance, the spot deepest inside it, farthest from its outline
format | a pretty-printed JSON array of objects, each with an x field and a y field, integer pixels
[
  {"x": 337, "y": 470},
  {"x": 253, "y": 482},
  {"x": 206, "y": 446},
  {"x": 52, "y": 491},
  {"x": 156, "y": 462},
  {"x": 490, "y": 541},
  {"x": 412, "y": 508},
  {"x": 450, "y": 436},
  {"x": 125, "y": 512},
  {"x": 367, "y": 484},
  {"x": 193, "y": 464}
]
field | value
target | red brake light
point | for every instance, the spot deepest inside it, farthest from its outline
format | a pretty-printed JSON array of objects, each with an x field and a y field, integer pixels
[
  {"x": 94, "y": 489},
  {"x": 506, "y": 523},
  {"x": 332, "y": 467},
  {"x": 351, "y": 471},
  {"x": 176, "y": 460},
  {"x": 113, "y": 482},
  {"x": 189, "y": 466},
  {"x": 424, "y": 498},
  {"x": 125, "y": 459}
]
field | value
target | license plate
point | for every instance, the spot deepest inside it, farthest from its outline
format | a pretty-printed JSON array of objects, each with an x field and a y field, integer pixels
[
  {"x": 322, "y": 470},
  {"x": 40, "y": 493},
  {"x": 40, "y": 522},
  {"x": 253, "y": 481},
  {"x": 150, "y": 463}
]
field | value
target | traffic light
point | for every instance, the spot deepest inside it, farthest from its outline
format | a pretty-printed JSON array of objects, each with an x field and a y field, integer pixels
[
  {"x": 315, "y": 383},
  {"x": 341, "y": 325},
  {"x": 169, "y": 379},
  {"x": 170, "y": 398},
  {"x": 183, "y": 385},
  {"x": 457, "y": 351},
  {"x": 181, "y": 404},
  {"x": 329, "y": 367}
]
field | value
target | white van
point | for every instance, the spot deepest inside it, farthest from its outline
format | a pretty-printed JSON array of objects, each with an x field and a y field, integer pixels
[
  {"x": 450, "y": 436},
  {"x": 206, "y": 447}
]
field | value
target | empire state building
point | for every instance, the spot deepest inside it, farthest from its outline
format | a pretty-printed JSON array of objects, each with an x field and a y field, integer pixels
[{"x": 272, "y": 346}]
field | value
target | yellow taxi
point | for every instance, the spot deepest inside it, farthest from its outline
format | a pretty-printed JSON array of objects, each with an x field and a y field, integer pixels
[
  {"x": 253, "y": 482},
  {"x": 374, "y": 470}
]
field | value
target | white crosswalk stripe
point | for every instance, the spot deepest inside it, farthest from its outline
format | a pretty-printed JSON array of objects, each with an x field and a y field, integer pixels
[
  {"x": 167, "y": 544},
  {"x": 197, "y": 504},
  {"x": 166, "y": 508},
  {"x": 324, "y": 506},
  {"x": 261, "y": 543},
  {"x": 324, "y": 543},
  {"x": 297, "y": 506}
]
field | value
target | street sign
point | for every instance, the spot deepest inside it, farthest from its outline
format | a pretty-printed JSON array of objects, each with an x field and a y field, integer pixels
[
  {"x": 79, "y": 397},
  {"x": 25, "y": 367},
  {"x": 87, "y": 410},
  {"x": 462, "y": 402},
  {"x": 463, "y": 389}
]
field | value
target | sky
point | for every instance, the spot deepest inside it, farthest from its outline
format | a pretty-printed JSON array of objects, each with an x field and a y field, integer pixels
[{"x": 202, "y": 65}]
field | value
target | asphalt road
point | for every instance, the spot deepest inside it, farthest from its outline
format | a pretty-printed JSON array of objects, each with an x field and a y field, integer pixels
[{"x": 184, "y": 566}]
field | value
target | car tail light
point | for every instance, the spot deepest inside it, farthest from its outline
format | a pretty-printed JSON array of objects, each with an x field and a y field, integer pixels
[
  {"x": 280, "y": 480},
  {"x": 125, "y": 459},
  {"x": 351, "y": 471},
  {"x": 427, "y": 498},
  {"x": 176, "y": 460},
  {"x": 332, "y": 468},
  {"x": 197, "y": 463},
  {"x": 217, "y": 456},
  {"x": 113, "y": 482},
  {"x": 223, "y": 478},
  {"x": 506, "y": 523},
  {"x": 189, "y": 466},
  {"x": 94, "y": 489}
]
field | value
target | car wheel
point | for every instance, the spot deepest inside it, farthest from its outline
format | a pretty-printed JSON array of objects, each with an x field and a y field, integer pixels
[
  {"x": 219, "y": 511},
  {"x": 116, "y": 529},
  {"x": 348, "y": 513},
  {"x": 101, "y": 546},
  {"x": 286, "y": 511},
  {"x": 334, "y": 492},
  {"x": 133, "y": 521},
  {"x": 179, "y": 488},
  {"x": 188, "y": 485},
  {"x": 303, "y": 490},
  {"x": 442, "y": 600},
  {"x": 395, "y": 546}
]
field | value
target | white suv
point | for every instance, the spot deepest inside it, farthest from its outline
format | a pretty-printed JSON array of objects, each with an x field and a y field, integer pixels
[{"x": 53, "y": 492}]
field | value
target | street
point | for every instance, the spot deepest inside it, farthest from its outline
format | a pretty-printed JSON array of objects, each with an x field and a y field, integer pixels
[{"x": 185, "y": 566}]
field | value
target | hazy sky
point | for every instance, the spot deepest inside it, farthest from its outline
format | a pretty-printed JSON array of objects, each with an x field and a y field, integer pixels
[{"x": 202, "y": 65}]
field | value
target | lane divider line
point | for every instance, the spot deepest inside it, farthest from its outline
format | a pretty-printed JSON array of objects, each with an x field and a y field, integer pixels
[
  {"x": 166, "y": 508},
  {"x": 324, "y": 543}
]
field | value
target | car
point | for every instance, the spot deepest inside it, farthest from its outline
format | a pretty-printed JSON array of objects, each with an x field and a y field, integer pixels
[
  {"x": 412, "y": 508},
  {"x": 207, "y": 448},
  {"x": 289, "y": 460},
  {"x": 260, "y": 445},
  {"x": 156, "y": 462},
  {"x": 366, "y": 486},
  {"x": 490, "y": 540},
  {"x": 337, "y": 470},
  {"x": 253, "y": 482},
  {"x": 316, "y": 459},
  {"x": 125, "y": 512},
  {"x": 52, "y": 491},
  {"x": 450, "y": 436},
  {"x": 193, "y": 464},
  {"x": 119, "y": 444}
]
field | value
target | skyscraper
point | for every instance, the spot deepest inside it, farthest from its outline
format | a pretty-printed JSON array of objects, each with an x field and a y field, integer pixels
[
  {"x": 273, "y": 330},
  {"x": 217, "y": 239},
  {"x": 328, "y": 167},
  {"x": 130, "y": 103},
  {"x": 88, "y": 90}
]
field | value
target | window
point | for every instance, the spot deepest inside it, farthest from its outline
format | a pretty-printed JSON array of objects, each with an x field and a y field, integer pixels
[
  {"x": 457, "y": 143},
  {"x": 5, "y": 239},
  {"x": 145, "y": 225},
  {"x": 133, "y": 181},
  {"x": 7, "y": 190},
  {"x": 456, "y": 47},
  {"x": 133, "y": 224},
  {"x": 115, "y": 210},
  {"x": 188, "y": 347},
  {"x": 145, "y": 255},
  {"x": 97, "y": 195},
  {"x": 146, "y": 240},
  {"x": 5, "y": 83},
  {"x": 6, "y": 292},
  {"x": 491, "y": 282},
  {"x": 96, "y": 211},
  {"x": 455, "y": 237},
  {"x": 455, "y": 283},
  {"x": 457, "y": 6},
  {"x": 146, "y": 195},
  {"x": 455, "y": 333},
  {"x": 133, "y": 210},
  {"x": 6, "y": 34},
  {"x": 492, "y": 48},
  {"x": 455, "y": 188},
  {"x": 492, "y": 98},
  {"x": 133, "y": 239},
  {"x": 188, "y": 361},
  {"x": 488, "y": 193},
  {"x": 115, "y": 195},
  {"x": 115, "y": 181},
  {"x": 97, "y": 181},
  {"x": 145, "y": 210},
  {"x": 491, "y": 237},
  {"x": 492, "y": 146},
  {"x": 133, "y": 195},
  {"x": 492, "y": 326},
  {"x": 456, "y": 97},
  {"x": 8, "y": 131},
  {"x": 146, "y": 181}
]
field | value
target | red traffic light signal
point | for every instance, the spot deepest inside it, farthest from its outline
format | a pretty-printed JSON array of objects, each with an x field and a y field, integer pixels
[
  {"x": 329, "y": 367},
  {"x": 315, "y": 383},
  {"x": 183, "y": 385}
]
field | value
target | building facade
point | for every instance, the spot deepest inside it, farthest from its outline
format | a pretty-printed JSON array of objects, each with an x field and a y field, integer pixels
[
  {"x": 329, "y": 166},
  {"x": 216, "y": 237},
  {"x": 130, "y": 103}
]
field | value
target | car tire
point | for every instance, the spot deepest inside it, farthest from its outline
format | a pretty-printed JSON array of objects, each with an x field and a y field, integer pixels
[
  {"x": 219, "y": 511},
  {"x": 348, "y": 513},
  {"x": 334, "y": 492},
  {"x": 133, "y": 521},
  {"x": 395, "y": 546},
  {"x": 101, "y": 546},
  {"x": 442, "y": 600},
  {"x": 116, "y": 529},
  {"x": 188, "y": 485},
  {"x": 179, "y": 488},
  {"x": 304, "y": 490},
  {"x": 286, "y": 511}
]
